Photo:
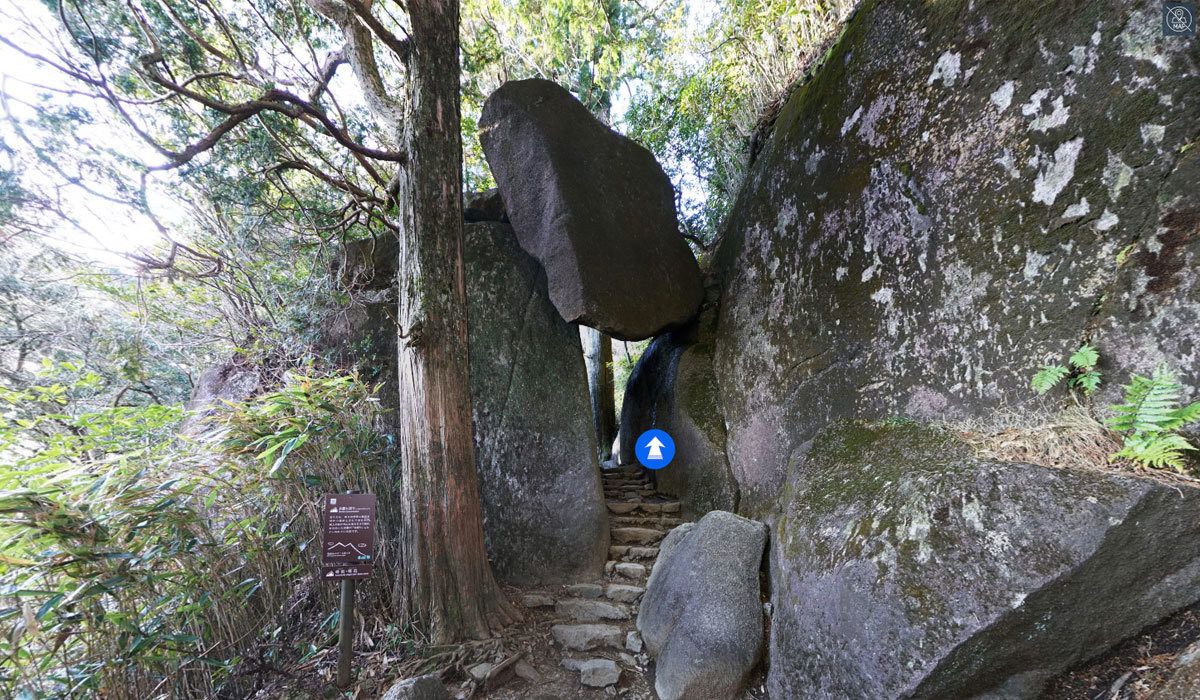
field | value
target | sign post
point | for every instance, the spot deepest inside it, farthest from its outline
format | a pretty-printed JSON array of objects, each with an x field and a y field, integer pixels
[{"x": 347, "y": 554}]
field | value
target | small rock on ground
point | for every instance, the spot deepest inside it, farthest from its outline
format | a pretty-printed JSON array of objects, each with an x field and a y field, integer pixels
[
  {"x": 596, "y": 673},
  {"x": 419, "y": 688}
]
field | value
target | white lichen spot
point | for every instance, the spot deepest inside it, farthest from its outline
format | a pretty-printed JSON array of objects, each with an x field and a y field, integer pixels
[
  {"x": 810, "y": 165},
  {"x": 1153, "y": 133},
  {"x": 1083, "y": 59},
  {"x": 972, "y": 513},
  {"x": 1009, "y": 164},
  {"x": 1116, "y": 175},
  {"x": 1142, "y": 38},
  {"x": 870, "y": 272},
  {"x": 1034, "y": 105},
  {"x": 878, "y": 109},
  {"x": 1003, "y": 95},
  {"x": 997, "y": 543},
  {"x": 1056, "y": 118},
  {"x": 1018, "y": 600},
  {"x": 1106, "y": 221},
  {"x": 1050, "y": 182},
  {"x": 946, "y": 69},
  {"x": 849, "y": 123},
  {"x": 1077, "y": 211},
  {"x": 1033, "y": 264},
  {"x": 883, "y": 296},
  {"x": 840, "y": 273}
]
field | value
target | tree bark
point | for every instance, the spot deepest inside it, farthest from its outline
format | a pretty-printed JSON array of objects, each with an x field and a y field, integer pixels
[
  {"x": 447, "y": 583},
  {"x": 597, "y": 355}
]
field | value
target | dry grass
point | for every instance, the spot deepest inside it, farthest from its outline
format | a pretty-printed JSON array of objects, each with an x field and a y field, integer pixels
[{"x": 1072, "y": 439}]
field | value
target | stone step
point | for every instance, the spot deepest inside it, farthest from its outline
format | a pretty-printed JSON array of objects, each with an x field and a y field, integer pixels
[
  {"x": 636, "y": 535},
  {"x": 626, "y": 569},
  {"x": 629, "y": 470},
  {"x": 590, "y": 610},
  {"x": 652, "y": 521},
  {"x": 624, "y": 552},
  {"x": 641, "y": 553},
  {"x": 584, "y": 590},
  {"x": 621, "y": 507},
  {"x": 585, "y": 637},
  {"x": 623, "y": 593},
  {"x": 537, "y": 600}
]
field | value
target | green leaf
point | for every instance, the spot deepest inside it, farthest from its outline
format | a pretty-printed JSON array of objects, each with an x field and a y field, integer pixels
[
  {"x": 1047, "y": 377},
  {"x": 1090, "y": 381},
  {"x": 1084, "y": 358}
]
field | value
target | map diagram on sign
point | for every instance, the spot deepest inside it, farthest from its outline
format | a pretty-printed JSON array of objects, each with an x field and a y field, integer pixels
[{"x": 346, "y": 545}]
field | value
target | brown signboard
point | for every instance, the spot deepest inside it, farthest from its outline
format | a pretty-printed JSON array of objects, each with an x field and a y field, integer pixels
[
  {"x": 336, "y": 573},
  {"x": 348, "y": 538}
]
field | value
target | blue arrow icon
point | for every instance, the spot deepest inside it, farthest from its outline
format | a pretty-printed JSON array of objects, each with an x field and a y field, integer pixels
[{"x": 655, "y": 449}]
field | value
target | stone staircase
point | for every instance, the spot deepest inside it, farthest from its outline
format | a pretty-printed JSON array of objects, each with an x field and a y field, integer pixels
[{"x": 595, "y": 631}]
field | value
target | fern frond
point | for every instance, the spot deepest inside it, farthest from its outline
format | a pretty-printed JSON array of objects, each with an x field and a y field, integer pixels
[
  {"x": 1155, "y": 451},
  {"x": 1149, "y": 405},
  {"x": 1084, "y": 358},
  {"x": 1090, "y": 381},
  {"x": 1047, "y": 377},
  {"x": 1187, "y": 414}
]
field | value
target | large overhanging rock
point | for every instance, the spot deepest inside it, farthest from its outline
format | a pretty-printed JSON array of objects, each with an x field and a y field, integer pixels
[
  {"x": 701, "y": 617},
  {"x": 903, "y": 566},
  {"x": 594, "y": 208},
  {"x": 948, "y": 204},
  {"x": 543, "y": 508}
]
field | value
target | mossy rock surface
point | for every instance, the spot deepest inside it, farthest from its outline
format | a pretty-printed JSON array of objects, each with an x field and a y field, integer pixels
[
  {"x": 673, "y": 388},
  {"x": 903, "y": 566},
  {"x": 943, "y": 208},
  {"x": 544, "y": 517}
]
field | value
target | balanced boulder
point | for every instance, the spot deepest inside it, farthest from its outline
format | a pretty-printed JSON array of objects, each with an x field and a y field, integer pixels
[
  {"x": 594, "y": 208},
  {"x": 539, "y": 480},
  {"x": 701, "y": 617}
]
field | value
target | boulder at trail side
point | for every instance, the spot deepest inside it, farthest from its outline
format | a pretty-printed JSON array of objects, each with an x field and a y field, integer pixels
[
  {"x": 701, "y": 617},
  {"x": 233, "y": 380},
  {"x": 904, "y": 566},
  {"x": 539, "y": 481},
  {"x": 672, "y": 388},
  {"x": 420, "y": 688},
  {"x": 543, "y": 508},
  {"x": 594, "y": 208},
  {"x": 964, "y": 191}
]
